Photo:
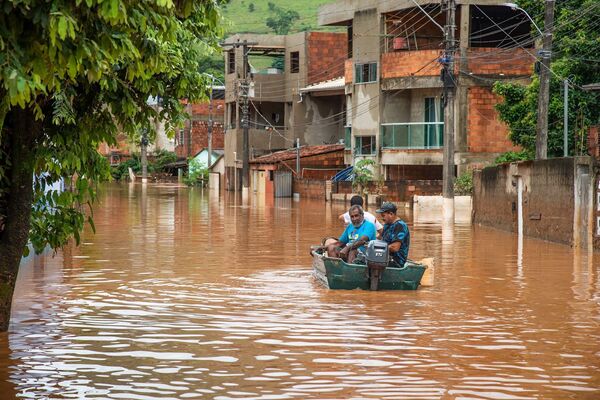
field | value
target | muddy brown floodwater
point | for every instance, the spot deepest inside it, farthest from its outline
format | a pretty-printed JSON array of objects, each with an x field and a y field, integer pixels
[{"x": 181, "y": 294}]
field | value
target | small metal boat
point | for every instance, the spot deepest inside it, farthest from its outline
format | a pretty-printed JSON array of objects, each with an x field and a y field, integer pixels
[{"x": 337, "y": 274}]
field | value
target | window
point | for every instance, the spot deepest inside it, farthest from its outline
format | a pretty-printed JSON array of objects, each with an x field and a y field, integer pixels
[
  {"x": 350, "y": 33},
  {"x": 364, "y": 73},
  {"x": 347, "y": 137},
  {"x": 364, "y": 146},
  {"x": 231, "y": 61},
  {"x": 294, "y": 62},
  {"x": 181, "y": 136},
  {"x": 232, "y": 115},
  {"x": 433, "y": 113}
]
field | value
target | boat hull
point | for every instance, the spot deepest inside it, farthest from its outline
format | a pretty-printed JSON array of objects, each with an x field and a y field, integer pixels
[{"x": 337, "y": 274}]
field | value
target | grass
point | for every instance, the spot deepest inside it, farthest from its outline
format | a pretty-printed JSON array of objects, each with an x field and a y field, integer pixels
[{"x": 244, "y": 21}]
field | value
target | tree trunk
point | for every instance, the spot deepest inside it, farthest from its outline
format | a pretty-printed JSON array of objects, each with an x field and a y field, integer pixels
[{"x": 20, "y": 133}]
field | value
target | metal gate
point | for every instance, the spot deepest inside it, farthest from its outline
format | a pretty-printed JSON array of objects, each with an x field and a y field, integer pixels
[{"x": 283, "y": 184}]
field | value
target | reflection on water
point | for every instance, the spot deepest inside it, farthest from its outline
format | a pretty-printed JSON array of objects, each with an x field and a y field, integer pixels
[{"x": 182, "y": 294}]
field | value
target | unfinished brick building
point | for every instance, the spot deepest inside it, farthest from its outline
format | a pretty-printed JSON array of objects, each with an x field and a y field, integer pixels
[
  {"x": 193, "y": 137},
  {"x": 296, "y": 92},
  {"x": 394, "y": 94}
]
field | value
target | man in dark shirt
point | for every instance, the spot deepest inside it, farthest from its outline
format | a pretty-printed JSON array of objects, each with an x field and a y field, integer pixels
[{"x": 395, "y": 233}]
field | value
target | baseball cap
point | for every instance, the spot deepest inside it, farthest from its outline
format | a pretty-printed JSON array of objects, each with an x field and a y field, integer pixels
[{"x": 387, "y": 206}]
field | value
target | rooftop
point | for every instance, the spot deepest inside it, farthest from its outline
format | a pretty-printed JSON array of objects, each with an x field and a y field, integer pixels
[
  {"x": 290, "y": 154},
  {"x": 331, "y": 84}
]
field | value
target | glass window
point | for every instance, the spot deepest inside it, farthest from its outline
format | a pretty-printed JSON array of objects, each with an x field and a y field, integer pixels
[
  {"x": 364, "y": 146},
  {"x": 294, "y": 62},
  {"x": 231, "y": 61},
  {"x": 364, "y": 73}
]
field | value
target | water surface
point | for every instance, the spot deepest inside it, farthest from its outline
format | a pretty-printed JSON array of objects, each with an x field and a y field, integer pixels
[{"x": 181, "y": 294}]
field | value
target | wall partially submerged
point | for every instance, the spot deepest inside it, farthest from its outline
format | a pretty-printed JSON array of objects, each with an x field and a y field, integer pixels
[{"x": 556, "y": 199}]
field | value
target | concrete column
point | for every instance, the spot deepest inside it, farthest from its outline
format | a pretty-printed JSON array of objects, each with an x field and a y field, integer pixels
[{"x": 462, "y": 91}]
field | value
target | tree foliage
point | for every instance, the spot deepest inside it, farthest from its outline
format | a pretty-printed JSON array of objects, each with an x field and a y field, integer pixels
[
  {"x": 197, "y": 173},
  {"x": 72, "y": 74},
  {"x": 575, "y": 52},
  {"x": 281, "y": 20},
  {"x": 362, "y": 174}
]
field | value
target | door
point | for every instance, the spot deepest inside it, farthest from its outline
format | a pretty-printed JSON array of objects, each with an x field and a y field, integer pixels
[
  {"x": 283, "y": 184},
  {"x": 261, "y": 183}
]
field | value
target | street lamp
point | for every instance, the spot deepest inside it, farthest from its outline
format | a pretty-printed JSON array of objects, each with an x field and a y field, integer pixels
[{"x": 513, "y": 6}]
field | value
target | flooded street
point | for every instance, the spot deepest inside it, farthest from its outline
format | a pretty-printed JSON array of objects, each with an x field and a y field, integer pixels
[{"x": 181, "y": 294}]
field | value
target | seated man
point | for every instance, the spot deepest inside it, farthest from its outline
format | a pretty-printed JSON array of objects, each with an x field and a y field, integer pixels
[
  {"x": 358, "y": 200},
  {"x": 395, "y": 233},
  {"x": 356, "y": 235}
]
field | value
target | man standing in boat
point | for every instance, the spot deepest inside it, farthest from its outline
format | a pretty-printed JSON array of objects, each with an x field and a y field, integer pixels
[
  {"x": 395, "y": 233},
  {"x": 355, "y": 236}
]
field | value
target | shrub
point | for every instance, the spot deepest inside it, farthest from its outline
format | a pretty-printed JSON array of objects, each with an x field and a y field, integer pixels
[
  {"x": 197, "y": 173},
  {"x": 463, "y": 185},
  {"x": 512, "y": 156},
  {"x": 161, "y": 158}
]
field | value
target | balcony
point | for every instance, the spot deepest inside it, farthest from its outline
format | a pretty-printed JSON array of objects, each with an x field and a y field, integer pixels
[{"x": 412, "y": 135}]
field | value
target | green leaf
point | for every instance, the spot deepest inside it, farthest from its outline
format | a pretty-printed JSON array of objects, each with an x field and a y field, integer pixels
[{"x": 62, "y": 28}]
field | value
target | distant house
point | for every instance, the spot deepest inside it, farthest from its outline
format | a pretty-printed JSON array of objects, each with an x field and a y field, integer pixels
[
  {"x": 201, "y": 158},
  {"x": 268, "y": 173},
  {"x": 193, "y": 137},
  {"x": 290, "y": 94}
]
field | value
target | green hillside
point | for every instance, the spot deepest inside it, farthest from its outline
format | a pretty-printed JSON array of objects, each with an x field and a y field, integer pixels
[{"x": 248, "y": 16}]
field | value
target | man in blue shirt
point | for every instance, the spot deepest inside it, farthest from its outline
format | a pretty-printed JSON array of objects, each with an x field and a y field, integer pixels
[
  {"x": 354, "y": 238},
  {"x": 395, "y": 233}
]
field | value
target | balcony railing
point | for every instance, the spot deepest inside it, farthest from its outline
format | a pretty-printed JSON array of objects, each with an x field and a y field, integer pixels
[{"x": 412, "y": 135}]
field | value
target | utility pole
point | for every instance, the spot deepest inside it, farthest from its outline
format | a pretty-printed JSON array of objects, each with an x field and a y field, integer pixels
[
  {"x": 449, "y": 81},
  {"x": 242, "y": 93},
  {"x": 566, "y": 119},
  {"x": 245, "y": 123},
  {"x": 210, "y": 123},
  {"x": 144, "y": 159},
  {"x": 541, "y": 131},
  {"x": 298, "y": 157}
]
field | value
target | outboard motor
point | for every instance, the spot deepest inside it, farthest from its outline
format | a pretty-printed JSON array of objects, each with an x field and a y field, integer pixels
[{"x": 377, "y": 257}]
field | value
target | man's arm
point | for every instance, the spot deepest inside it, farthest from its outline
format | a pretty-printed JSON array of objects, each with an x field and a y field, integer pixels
[
  {"x": 355, "y": 245},
  {"x": 395, "y": 246}
]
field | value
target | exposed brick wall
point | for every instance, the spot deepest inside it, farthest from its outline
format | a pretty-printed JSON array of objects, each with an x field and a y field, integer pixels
[
  {"x": 496, "y": 61},
  {"x": 594, "y": 141},
  {"x": 348, "y": 71},
  {"x": 199, "y": 139},
  {"x": 201, "y": 109},
  {"x": 413, "y": 172},
  {"x": 485, "y": 132},
  {"x": 310, "y": 188},
  {"x": 397, "y": 190},
  {"x": 410, "y": 63},
  {"x": 320, "y": 166},
  {"x": 326, "y": 52},
  {"x": 199, "y": 135}
]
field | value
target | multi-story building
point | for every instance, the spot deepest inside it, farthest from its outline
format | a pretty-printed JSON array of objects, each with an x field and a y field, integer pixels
[
  {"x": 193, "y": 136},
  {"x": 394, "y": 92},
  {"x": 296, "y": 91}
]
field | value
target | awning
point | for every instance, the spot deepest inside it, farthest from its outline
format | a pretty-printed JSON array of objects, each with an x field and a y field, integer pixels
[{"x": 325, "y": 86}]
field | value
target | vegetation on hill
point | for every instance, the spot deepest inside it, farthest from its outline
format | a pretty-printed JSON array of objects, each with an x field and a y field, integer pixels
[{"x": 250, "y": 16}]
